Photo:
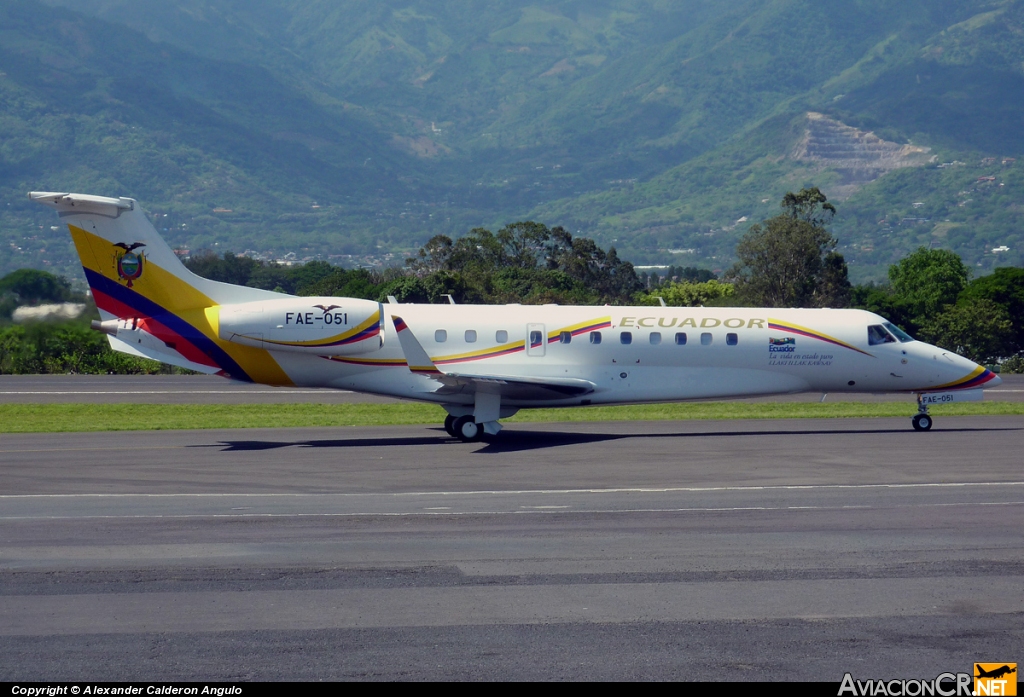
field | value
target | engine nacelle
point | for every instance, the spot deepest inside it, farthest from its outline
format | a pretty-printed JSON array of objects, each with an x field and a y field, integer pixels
[{"x": 320, "y": 326}]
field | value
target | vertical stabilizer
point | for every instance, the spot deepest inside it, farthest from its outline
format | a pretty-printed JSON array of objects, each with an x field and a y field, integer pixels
[
  {"x": 134, "y": 275},
  {"x": 117, "y": 243}
]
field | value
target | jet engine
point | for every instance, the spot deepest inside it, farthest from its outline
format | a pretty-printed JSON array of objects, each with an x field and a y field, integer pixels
[{"x": 320, "y": 326}]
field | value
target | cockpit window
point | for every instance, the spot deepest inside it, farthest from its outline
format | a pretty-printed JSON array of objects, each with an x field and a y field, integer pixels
[
  {"x": 877, "y": 335},
  {"x": 900, "y": 334}
]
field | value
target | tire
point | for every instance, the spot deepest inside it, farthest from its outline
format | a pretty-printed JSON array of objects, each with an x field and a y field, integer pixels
[
  {"x": 467, "y": 430},
  {"x": 449, "y": 425},
  {"x": 922, "y": 422}
]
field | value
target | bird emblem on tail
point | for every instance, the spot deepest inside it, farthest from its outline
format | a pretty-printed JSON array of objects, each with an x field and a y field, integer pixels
[{"x": 129, "y": 248}]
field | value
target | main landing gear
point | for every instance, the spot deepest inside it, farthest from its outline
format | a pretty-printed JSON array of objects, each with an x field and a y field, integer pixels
[
  {"x": 922, "y": 420},
  {"x": 465, "y": 428},
  {"x": 479, "y": 421}
]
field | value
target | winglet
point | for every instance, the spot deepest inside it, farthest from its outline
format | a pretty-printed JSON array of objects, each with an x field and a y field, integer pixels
[{"x": 415, "y": 356}]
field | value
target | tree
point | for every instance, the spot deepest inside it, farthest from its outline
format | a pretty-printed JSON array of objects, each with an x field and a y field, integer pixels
[
  {"x": 1005, "y": 287},
  {"x": 809, "y": 205},
  {"x": 32, "y": 286},
  {"x": 692, "y": 274},
  {"x": 834, "y": 284},
  {"x": 435, "y": 255},
  {"x": 688, "y": 294},
  {"x": 232, "y": 268},
  {"x": 881, "y": 301},
  {"x": 523, "y": 243},
  {"x": 790, "y": 260},
  {"x": 523, "y": 262},
  {"x": 927, "y": 280},
  {"x": 355, "y": 283},
  {"x": 975, "y": 330},
  {"x": 582, "y": 259}
]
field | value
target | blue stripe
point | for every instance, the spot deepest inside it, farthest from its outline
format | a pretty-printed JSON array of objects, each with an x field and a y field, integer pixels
[{"x": 148, "y": 308}]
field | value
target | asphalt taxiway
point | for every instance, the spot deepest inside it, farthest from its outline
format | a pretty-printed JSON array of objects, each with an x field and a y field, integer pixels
[
  {"x": 795, "y": 550},
  {"x": 210, "y": 389}
]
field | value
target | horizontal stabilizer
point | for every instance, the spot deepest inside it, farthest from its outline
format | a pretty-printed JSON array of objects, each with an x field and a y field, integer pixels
[{"x": 83, "y": 203}]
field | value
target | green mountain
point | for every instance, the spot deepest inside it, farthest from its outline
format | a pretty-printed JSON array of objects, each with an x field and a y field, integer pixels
[
  {"x": 666, "y": 128},
  {"x": 955, "y": 94}
]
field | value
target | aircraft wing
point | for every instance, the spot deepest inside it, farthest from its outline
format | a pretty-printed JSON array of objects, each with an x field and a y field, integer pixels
[
  {"x": 510, "y": 387},
  {"x": 539, "y": 389}
]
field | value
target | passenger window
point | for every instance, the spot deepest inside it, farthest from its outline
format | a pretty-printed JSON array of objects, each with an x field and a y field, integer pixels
[
  {"x": 680, "y": 338},
  {"x": 595, "y": 337},
  {"x": 705, "y": 339},
  {"x": 470, "y": 336},
  {"x": 440, "y": 336},
  {"x": 536, "y": 338},
  {"x": 877, "y": 335},
  {"x": 731, "y": 339},
  {"x": 655, "y": 338},
  {"x": 565, "y": 337},
  {"x": 501, "y": 336},
  {"x": 626, "y": 337}
]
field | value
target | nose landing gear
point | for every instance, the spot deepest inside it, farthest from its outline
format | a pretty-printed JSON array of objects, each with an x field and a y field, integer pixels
[{"x": 922, "y": 421}]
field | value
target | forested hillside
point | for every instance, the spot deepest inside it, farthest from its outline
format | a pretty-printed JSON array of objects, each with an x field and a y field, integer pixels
[{"x": 664, "y": 128}]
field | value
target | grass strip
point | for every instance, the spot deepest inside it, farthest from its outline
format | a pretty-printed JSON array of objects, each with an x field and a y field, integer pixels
[{"x": 54, "y": 418}]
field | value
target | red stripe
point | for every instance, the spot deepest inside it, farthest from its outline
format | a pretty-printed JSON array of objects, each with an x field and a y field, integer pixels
[
  {"x": 182, "y": 345},
  {"x": 503, "y": 352},
  {"x": 819, "y": 337}
]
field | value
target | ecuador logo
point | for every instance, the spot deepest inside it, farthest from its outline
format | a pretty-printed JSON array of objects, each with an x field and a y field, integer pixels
[{"x": 127, "y": 262}]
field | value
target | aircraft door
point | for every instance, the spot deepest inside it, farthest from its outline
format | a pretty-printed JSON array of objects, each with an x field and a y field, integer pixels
[{"x": 536, "y": 340}]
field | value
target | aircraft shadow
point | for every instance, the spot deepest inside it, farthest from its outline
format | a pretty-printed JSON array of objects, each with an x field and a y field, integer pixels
[
  {"x": 517, "y": 441},
  {"x": 252, "y": 445}
]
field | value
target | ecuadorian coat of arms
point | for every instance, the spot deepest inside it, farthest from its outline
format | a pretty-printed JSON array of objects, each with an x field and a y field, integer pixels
[{"x": 128, "y": 262}]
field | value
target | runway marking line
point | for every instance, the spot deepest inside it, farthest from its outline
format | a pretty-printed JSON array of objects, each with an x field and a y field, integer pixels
[
  {"x": 630, "y": 490},
  {"x": 590, "y": 511}
]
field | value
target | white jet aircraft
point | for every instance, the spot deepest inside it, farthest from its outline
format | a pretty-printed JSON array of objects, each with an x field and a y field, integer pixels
[{"x": 484, "y": 363}]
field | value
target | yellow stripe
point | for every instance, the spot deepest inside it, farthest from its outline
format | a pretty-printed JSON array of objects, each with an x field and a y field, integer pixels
[
  {"x": 481, "y": 352},
  {"x": 517, "y": 344},
  {"x": 258, "y": 363},
  {"x": 814, "y": 332},
  {"x": 975, "y": 373}
]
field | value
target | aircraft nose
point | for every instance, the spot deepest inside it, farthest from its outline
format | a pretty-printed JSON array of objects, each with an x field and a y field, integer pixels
[{"x": 957, "y": 372}]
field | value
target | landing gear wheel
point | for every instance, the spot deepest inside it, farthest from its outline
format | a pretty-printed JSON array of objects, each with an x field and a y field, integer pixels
[
  {"x": 449, "y": 425},
  {"x": 467, "y": 430},
  {"x": 922, "y": 422}
]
